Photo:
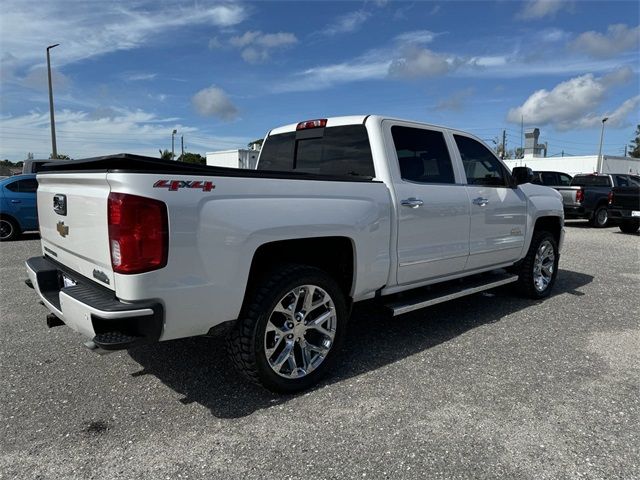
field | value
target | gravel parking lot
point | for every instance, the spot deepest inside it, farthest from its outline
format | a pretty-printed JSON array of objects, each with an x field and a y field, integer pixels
[{"x": 490, "y": 386}]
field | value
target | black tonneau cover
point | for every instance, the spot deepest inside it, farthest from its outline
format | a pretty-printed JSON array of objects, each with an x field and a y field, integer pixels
[{"x": 129, "y": 163}]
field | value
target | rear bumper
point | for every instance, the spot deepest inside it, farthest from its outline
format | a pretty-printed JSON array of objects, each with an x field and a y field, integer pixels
[
  {"x": 575, "y": 211},
  {"x": 95, "y": 311},
  {"x": 623, "y": 214}
]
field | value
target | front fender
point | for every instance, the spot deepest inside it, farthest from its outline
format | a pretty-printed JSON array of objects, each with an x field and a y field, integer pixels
[{"x": 542, "y": 202}]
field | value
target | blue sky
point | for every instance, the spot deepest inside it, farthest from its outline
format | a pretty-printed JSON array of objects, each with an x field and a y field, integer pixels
[{"x": 223, "y": 73}]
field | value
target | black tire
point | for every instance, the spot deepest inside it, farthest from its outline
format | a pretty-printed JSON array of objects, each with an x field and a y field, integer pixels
[
  {"x": 630, "y": 226},
  {"x": 600, "y": 217},
  {"x": 246, "y": 339},
  {"x": 526, "y": 281},
  {"x": 9, "y": 229}
]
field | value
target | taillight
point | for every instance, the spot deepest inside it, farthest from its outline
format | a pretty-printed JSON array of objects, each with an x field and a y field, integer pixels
[
  {"x": 138, "y": 233},
  {"x": 610, "y": 197},
  {"x": 580, "y": 196},
  {"x": 319, "y": 123}
]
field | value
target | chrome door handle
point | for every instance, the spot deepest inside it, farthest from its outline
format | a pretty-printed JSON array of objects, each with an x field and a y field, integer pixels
[
  {"x": 411, "y": 202},
  {"x": 16, "y": 201},
  {"x": 480, "y": 201}
]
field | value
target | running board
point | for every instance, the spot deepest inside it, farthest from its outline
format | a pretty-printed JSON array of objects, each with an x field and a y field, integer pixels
[{"x": 451, "y": 292}]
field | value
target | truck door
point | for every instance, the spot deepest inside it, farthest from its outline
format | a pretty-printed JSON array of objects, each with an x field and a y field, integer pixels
[
  {"x": 433, "y": 207},
  {"x": 498, "y": 210},
  {"x": 21, "y": 195}
]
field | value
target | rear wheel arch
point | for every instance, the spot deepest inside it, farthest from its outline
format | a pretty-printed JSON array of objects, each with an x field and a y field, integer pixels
[{"x": 334, "y": 255}]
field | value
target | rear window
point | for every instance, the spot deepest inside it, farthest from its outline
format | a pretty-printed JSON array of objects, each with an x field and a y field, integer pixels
[
  {"x": 329, "y": 151},
  {"x": 590, "y": 181}
]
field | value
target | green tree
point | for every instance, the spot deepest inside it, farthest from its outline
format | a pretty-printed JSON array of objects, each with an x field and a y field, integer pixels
[
  {"x": 165, "y": 154},
  {"x": 634, "y": 146},
  {"x": 189, "y": 157},
  {"x": 61, "y": 156},
  {"x": 258, "y": 142}
]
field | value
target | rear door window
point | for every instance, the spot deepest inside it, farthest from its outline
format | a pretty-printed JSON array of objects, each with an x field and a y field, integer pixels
[
  {"x": 29, "y": 185},
  {"x": 423, "y": 155},
  {"x": 340, "y": 151}
]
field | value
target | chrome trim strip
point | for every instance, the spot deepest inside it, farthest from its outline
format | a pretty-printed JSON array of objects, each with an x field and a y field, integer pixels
[{"x": 399, "y": 309}]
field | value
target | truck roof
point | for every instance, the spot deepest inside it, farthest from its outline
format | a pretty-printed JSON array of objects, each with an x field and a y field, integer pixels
[{"x": 356, "y": 120}]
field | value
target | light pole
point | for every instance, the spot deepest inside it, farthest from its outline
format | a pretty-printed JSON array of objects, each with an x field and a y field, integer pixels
[
  {"x": 173, "y": 136},
  {"x": 600, "y": 150},
  {"x": 54, "y": 152}
]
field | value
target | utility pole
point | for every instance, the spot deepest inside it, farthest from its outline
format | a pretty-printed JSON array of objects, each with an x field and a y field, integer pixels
[
  {"x": 54, "y": 149},
  {"x": 504, "y": 143},
  {"x": 522, "y": 135},
  {"x": 182, "y": 146},
  {"x": 173, "y": 135},
  {"x": 625, "y": 150},
  {"x": 600, "y": 150}
]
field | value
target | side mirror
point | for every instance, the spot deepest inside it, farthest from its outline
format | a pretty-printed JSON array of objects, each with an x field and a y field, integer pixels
[{"x": 522, "y": 175}]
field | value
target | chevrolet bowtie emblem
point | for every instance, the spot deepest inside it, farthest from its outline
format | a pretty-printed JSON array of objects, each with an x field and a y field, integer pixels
[{"x": 62, "y": 229}]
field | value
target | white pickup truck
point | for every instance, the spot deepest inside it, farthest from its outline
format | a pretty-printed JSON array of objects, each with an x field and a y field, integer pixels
[{"x": 338, "y": 211}]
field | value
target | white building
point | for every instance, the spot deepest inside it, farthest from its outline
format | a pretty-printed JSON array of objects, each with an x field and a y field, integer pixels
[
  {"x": 581, "y": 164},
  {"x": 238, "y": 158},
  {"x": 535, "y": 157}
]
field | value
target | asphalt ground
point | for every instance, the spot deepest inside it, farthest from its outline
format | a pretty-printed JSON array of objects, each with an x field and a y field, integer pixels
[{"x": 489, "y": 386}]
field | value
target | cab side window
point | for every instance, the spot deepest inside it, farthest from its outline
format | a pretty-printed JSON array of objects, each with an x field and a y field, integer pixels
[
  {"x": 549, "y": 178},
  {"x": 565, "y": 180},
  {"x": 480, "y": 165},
  {"x": 423, "y": 155}
]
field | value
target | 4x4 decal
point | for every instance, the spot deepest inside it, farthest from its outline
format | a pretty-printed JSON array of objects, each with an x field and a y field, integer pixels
[{"x": 174, "y": 185}]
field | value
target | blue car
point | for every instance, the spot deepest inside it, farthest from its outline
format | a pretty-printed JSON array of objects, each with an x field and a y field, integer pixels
[{"x": 18, "y": 211}]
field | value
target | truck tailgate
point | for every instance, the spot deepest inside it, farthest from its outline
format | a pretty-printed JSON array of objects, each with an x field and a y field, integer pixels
[
  {"x": 75, "y": 232},
  {"x": 568, "y": 195},
  {"x": 626, "y": 198}
]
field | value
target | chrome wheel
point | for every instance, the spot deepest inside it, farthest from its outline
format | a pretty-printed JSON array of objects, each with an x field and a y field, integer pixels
[
  {"x": 543, "y": 266},
  {"x": 300, "y": 331},
  {"x": 6, "y": 229},
  {"x": 602, "y": 216}
]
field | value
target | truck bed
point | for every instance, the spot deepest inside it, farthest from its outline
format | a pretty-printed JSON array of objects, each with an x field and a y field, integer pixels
[{"x": 130, "y": 163}]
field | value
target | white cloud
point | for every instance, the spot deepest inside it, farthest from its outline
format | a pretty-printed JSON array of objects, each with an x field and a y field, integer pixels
[
  {"x": 488, "y": 61},
  {"x": 422, "y": 62},
  {"x": 617, "y": 118},
  {"x": 569, "y": 104},
  {"x": 457, "y": 101},
  {"x": 326, "y": 76},
  {"x": 552, "y": 35},
  {"x": 138, "y": 76},
  {"x": 257, "y": 46},
  {"x": 214, "y": 43},
  {"x": 38, "y": 79},
  {"x": 214, "y": 102},
  {"x": 618, "y": 38},
  {"x": 85, "y": 31},
  {"x": 104, "y": 131},
  {"x": 535, "y": 9},
  {"x": 347, "y": 23},
  {"x": 416, "y": 37}
]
